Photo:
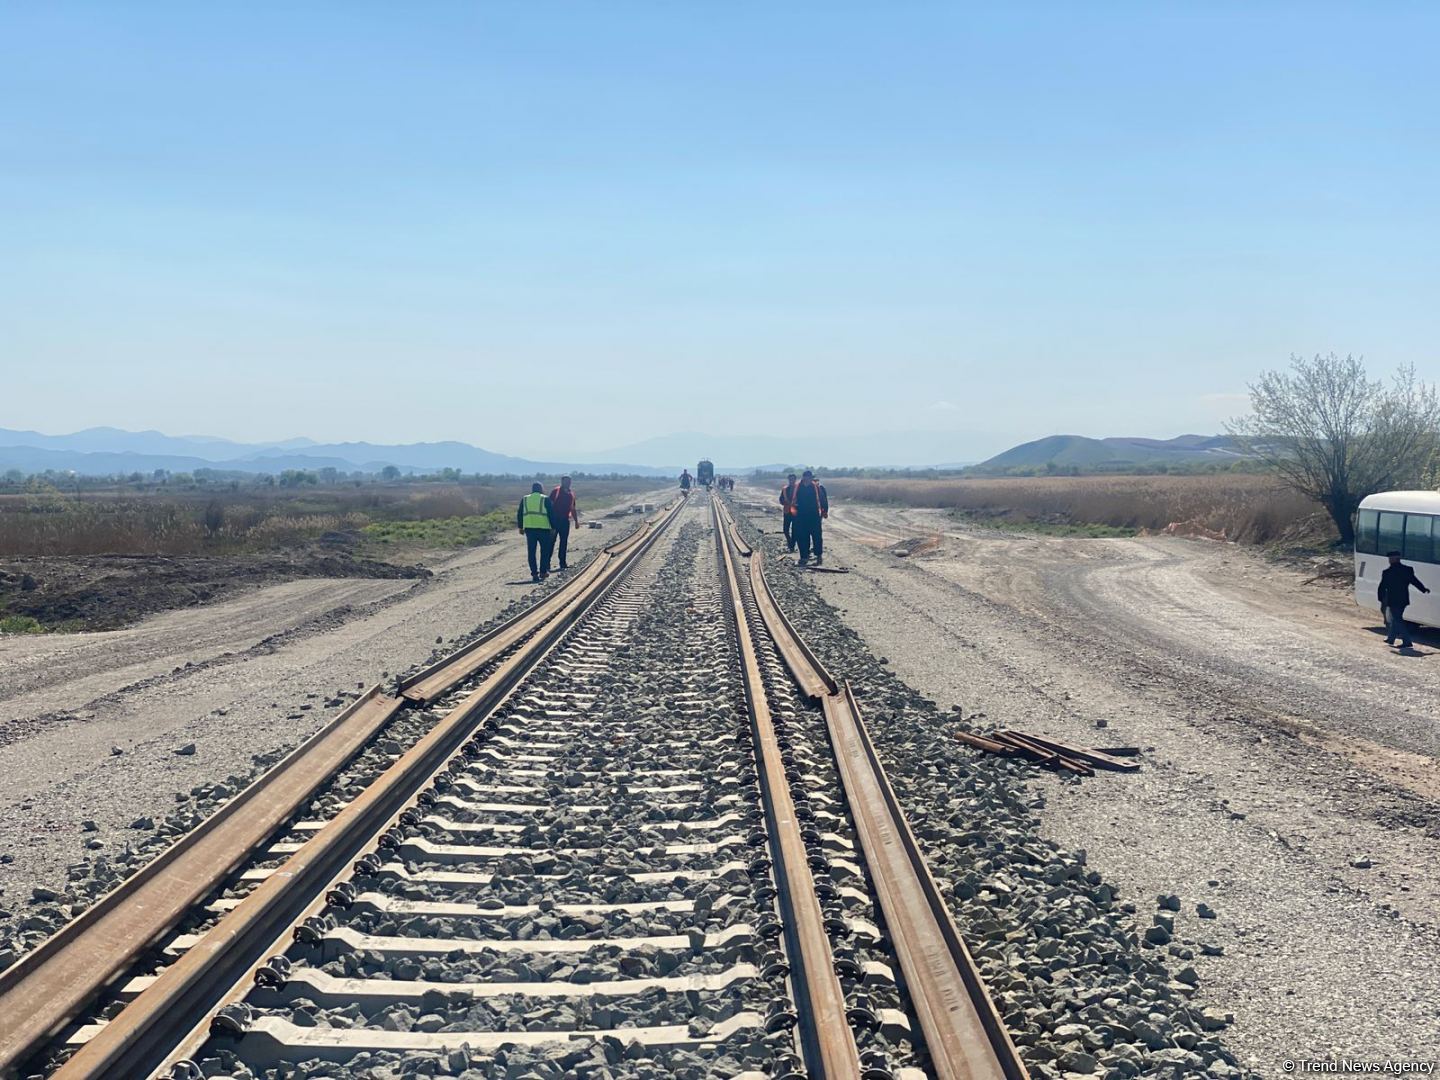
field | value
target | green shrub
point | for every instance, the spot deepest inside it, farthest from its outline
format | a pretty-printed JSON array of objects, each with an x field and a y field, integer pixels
[
  {"x": 19, "y": 624},
  {"x": 468, "y": 531}
]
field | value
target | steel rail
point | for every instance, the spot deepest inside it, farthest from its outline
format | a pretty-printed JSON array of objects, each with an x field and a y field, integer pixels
[
  {"x": 49, "y": 987},
  {"x": 805, "y": 667},
  {"x": 481, "y": 703},
  {"x": 41, "y": 993},
  {"x": 177, "y": 1007},
  {"x": 963, "y": 1031},
  {"x": 826, "y": 1040},
  {"x": 440, "y": 677}
]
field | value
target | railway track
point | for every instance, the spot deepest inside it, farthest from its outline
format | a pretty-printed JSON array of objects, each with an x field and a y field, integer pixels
[{"x": 637, "y": 830}]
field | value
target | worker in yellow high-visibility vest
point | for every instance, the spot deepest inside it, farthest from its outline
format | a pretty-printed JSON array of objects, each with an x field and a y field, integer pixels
[{"x": 533, "y": 521}]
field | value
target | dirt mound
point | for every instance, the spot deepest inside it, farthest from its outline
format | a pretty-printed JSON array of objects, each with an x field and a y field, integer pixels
[
  {"x": 917, "y": 545},
  {"x": 106, "y": 592}
]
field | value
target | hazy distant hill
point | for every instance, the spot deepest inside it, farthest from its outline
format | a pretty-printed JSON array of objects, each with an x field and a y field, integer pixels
[
  {"x": 106, "y": 451},
  {"x": 1084, "y": 452}
]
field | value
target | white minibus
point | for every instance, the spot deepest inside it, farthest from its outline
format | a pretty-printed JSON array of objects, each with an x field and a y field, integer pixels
[{"x": 1407, "y": 522}]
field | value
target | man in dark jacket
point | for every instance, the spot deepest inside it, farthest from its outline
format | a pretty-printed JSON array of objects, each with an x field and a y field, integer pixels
[
  {"x": 564, "y": 510},
  {"x": 1394, "y": 596},
  {"x": 808, "y": 507},
  {"x": 787, "y": 495},
  {"x": 533, "y": 520}
]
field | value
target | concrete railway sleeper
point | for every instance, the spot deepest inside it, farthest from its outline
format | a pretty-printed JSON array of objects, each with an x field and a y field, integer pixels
[
  {"x": 83, "y": 965},
  {"x": 626, "y": 844},
  {"x": 595, "y": 896}
]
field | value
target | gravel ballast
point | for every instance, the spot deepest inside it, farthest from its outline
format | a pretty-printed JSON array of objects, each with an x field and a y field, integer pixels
[
  {"x": 101, "y": 733},
  {"x": 1301, "y": 874},
  {"x": 1080, "y": 987}
]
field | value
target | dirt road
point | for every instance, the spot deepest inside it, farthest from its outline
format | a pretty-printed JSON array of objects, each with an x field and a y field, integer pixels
[{"x": 1290, "y": 770}]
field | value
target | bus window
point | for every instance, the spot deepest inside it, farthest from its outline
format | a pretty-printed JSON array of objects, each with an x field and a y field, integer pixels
[
  {"x": 1417, "y": 537},
  {"x": 1392, "y": 532},
  {"x": 1367, "y": 523}
]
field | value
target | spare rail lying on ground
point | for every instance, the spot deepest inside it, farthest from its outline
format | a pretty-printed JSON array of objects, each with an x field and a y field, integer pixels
[
  {"x": 963, "y": 1031},
  {"x": 46, "y": 989},
  {"x": 1047, "y": 751}
]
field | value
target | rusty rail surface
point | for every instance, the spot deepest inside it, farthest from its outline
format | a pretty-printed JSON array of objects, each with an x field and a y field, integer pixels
[
  {"x": 828, "y": 1043},
  {"x": 49, "y": 987},
  {"x": 963, "y": 1031}
]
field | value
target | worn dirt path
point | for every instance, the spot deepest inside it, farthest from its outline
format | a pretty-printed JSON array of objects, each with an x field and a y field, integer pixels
[{"x": 1290, "y": 776}]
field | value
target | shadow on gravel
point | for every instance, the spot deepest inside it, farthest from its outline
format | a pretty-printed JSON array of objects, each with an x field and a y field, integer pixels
[{"x": 1422, "y": 635}]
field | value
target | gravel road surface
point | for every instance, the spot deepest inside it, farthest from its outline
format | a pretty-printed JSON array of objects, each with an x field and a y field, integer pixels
[{"x": 1289, "y": 781}]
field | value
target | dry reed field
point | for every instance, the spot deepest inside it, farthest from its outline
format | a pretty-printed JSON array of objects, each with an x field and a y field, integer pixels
[
  {"x": 1246, "y": 508},
  {"x": 50, "y": 522}
]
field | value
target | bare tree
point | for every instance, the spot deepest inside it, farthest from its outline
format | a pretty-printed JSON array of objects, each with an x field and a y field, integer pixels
[{"x": 1335, "y": 435}]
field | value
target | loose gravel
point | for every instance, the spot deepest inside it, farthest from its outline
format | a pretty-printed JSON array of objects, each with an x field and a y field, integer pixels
[
  {"x": 100, "y": 728},
  {"x": 1090, "y": 983},
  {"x": 1087, "y": 982},
  {"x": 617, "y": 748},
  {"x": 1258, "y": 796},
  {"x": 102, "y": 864}
]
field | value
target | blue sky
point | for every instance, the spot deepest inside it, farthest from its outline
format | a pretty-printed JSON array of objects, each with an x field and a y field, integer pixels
[{"x": 550, "y": 229}]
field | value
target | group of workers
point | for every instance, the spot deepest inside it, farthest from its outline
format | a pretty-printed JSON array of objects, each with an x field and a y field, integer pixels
[
  {"x": 724, "y": 483},
  {"x": 804, "y": 505},
  {"x": 544, "y": 520}
]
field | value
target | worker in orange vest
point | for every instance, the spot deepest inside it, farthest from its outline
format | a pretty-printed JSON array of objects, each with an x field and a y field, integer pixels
[
  {"x": 787, "y": 496},
  {"x": 808, "y": 507}
]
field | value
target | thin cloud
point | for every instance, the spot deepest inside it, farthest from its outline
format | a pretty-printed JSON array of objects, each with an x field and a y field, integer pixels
[{"x": 1229, "y": 401}]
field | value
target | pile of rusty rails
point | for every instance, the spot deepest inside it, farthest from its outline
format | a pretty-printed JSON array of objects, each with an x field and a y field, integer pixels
[
  {"x": 962, "y": 1030},
  {"x": 43, "y": 993},
  {"x": 169, "y": 1017},
  {"x": 1051, "y": 753}
]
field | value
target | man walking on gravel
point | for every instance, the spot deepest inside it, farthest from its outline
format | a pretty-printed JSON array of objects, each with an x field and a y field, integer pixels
[
  {"x": 564, "y": 511},
  {"x": 685, "y": 480},
  {"x": 808, "y": 507},
  {"x": 787, "y": 496},
  {"x": 533, "y": 519},
  {"x": 1394, "y": 596}
]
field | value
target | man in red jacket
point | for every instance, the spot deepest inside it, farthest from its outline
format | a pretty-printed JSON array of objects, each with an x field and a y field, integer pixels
[
  {"x": 563, "y": 511},
  {"x": 787, "y": 496}
]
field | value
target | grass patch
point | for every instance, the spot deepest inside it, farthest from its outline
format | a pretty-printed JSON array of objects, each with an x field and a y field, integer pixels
[
  {"x": 451, "y": 532},
  {"x": 1087, "y": 530},
  {"x": 20, "y": 624},
  {"x": 42, "y": 520}
]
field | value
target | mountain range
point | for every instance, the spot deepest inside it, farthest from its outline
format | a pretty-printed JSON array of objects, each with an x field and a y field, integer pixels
[{"x": 105, "y": 451}]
